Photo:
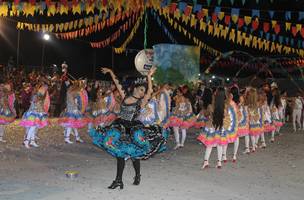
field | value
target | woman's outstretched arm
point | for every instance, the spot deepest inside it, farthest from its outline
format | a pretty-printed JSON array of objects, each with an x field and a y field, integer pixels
[
  {"x": 150, "y": 87},
  {"x": 115, "y": 80}
]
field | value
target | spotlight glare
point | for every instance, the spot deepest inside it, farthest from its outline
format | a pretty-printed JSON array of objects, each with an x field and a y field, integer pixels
[{"x": 46, "y": 36}]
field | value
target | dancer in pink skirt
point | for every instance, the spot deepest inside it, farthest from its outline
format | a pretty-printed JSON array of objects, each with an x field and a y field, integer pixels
[
  {"x": 220, "y": 128},
  {"x": 37, "y": 115},
  {"x": 182, "y": 118},
  {"x": 73, "y": 117},
  {"x": 7, "y": 110}
]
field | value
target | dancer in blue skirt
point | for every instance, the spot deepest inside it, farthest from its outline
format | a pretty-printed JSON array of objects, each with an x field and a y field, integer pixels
[{"x": 128, "y": 137}]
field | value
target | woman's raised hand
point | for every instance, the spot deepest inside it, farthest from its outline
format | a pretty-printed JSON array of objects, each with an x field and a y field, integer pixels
[
  {"x": 105, "y": 70},
  {"x": 152, "y": 71}
]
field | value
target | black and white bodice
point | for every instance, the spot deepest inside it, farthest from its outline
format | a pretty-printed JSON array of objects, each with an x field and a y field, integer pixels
[{"x": 129, "y": 112}]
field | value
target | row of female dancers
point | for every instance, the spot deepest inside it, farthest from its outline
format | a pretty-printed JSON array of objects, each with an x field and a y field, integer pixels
[{"x": 135, "y": 125}]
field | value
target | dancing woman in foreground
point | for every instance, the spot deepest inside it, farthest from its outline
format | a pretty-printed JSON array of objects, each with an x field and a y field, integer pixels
[{"x": 127, "y": 137}]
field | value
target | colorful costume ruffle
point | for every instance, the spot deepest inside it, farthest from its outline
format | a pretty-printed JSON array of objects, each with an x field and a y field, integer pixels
[
  {"x": 105, "y": 116},
  {"x": 130, "y": 138},
  {"x": 37, "y": 113},
  {"x": 182, "y": 116},
  {"x": 277, "y": 122},
  {"x": 231, "y": 123},
  {"x": 89, "y": 113},
  {"x": 72, "y": 119},
  {"x": 255, "y": 122},
  {"x": 228, "y": 134},
  {"x": 267, "y": 125},
  {"x": 7, "y": 110},
  {"x": 72, "y": 116},
  {"x": 200, "y": 121},
  {"x": 243, "y": 128}
]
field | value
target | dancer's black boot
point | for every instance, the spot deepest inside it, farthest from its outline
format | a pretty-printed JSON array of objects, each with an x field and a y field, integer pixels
[
  {"x": 136, "y": 180},
  {"x": 118, "y": 181},
  {"x": 136, "y": 165}
]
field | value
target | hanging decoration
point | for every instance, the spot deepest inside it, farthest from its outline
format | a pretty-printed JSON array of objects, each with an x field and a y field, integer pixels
[
  {"x": 98, "y": 20},
  {"x": 163, "y": 27},
  {"x": 123, "y": 28},
  {"x": 186, "y": 33},
  {"x": 236, "y": 36},
  {"x": 257, "y": 23},
  {"x": 94, "y": 28},
  {"x": 122, "y": 48},
  {"x": 64, "y": 7}
]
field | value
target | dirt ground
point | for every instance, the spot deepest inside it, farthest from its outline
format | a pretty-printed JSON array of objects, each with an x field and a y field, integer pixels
[{"x": 276, "y": 172}]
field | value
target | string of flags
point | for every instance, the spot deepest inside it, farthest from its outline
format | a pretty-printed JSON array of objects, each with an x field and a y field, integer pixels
[
  {"x": 163, "y": 27},
  {"x": 98, "y": 20},
  {"x": 97, "y": 27},
  {"x": 65, "y": 7},
  {"x": 228, "y": 32},
  {"x": 123, "y": 28},
  {"x": 122, "y": 48}
]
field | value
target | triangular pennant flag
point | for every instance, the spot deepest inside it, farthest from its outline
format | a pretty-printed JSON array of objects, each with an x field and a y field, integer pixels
[
  {"x": 240, "y": 22},
  {"x": 273, "y": 47},
  {"x": 210, "y": 29},
  {"x": 271, "y": 13},
  {"x": 227, "y": 19},
  {"x": 299, "y": 27},
  {"x": 301, "y": 15},
  {"x": 302, "y": 32},
  {"x": 254, "y": 42},
  {"x": 205, "y": 12},
  {"x": 267, "y": 36},
  {"x": 288, "y": 15},
  {"x": 235, "y": 18},
  {"x": 255, "y": 24},
  {"x": 255, "y": 13},
  {"x": 232, "y": 35},
  {"x": 221, "y": 15},
  {"x": 266, "y": 27},
  {"x": 247, "y": 20},
  {"x": 239, "y": 38},
  {"x": 294, "y": 31},
  {"x": 203, "y": 25},
  {"x": 197, "y": 8},
  {"x": 173, "y": 7},
  {"x": 214, "y": 18},
  {"x": 217, "y": 10},
  {"x": 182, "y": 6},
  {"x": 266, "y": 45},
  {"x": 273, "y": 23},
  {"x": 287, "y": 26},
  {"x": 277, "y": 28}
]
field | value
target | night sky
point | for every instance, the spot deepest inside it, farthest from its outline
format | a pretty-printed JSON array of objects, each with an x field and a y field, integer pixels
[{"x": 84, "y": 61}]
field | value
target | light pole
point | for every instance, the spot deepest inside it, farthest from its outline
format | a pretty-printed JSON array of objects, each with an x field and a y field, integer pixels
[
  {"x": 46, "y": 37},
  {"x": 18, "y": 47}
]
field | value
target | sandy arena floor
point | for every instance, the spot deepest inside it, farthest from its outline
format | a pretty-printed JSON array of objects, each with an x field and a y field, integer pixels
[{"x": 276, "y": 172}]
